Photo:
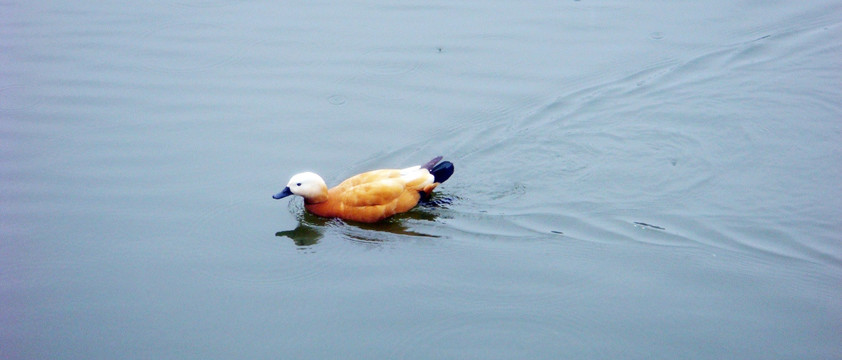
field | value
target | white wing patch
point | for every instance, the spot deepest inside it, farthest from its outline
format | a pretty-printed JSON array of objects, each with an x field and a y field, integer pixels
[
  {"x": 418, "y": 175},
  {"x": 410, "y": 170}
]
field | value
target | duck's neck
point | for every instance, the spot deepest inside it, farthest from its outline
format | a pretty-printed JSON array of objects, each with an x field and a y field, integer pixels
[{"x": 319, "y": 198}]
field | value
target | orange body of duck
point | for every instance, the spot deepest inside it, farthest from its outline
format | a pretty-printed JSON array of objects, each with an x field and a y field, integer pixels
[{"x": 371, "y": 196}]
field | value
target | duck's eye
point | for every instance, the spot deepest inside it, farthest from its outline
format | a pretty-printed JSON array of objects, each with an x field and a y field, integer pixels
[{"x": 298, "y": 184}]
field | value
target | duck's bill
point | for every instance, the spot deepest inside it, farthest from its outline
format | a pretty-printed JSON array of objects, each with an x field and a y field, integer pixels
[{"x": 282, "y": 194}]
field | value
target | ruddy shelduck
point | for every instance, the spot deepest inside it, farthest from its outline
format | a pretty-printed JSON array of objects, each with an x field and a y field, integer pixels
[{"x": 371, "y": 196}]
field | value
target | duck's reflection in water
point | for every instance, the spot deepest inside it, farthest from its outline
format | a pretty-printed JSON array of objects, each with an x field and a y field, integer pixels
[{"x": 311, "y": 228}]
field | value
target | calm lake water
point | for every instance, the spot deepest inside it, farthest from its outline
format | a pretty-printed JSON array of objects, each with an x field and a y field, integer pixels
[{"x": 658, "y": 180}]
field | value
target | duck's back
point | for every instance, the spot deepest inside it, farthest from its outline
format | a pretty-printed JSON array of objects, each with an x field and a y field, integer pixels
[
  {"x": 375, "y": 195},
  {"x": 368, "y": 177}
]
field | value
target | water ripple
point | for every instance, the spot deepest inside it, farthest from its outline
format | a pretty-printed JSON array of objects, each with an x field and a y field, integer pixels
[
  {"x": 233, "y": 254},
  {"x": 389, "y": 62},
  {"x": 494, "y": 336},
  {"x": 190, "y": 47},
  {"x": 205, "y": 3},
  {"x": 17, "y": 97}
]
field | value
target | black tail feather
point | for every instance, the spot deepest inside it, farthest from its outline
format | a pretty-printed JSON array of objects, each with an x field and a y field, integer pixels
[{"x": 442, "y": 171}]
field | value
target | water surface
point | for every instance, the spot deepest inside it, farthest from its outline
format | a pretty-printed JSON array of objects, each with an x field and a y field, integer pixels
[{"x": 654, "y": 180}]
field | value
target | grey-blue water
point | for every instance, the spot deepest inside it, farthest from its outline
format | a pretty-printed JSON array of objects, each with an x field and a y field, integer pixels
[{"x": 651, "y": 180}]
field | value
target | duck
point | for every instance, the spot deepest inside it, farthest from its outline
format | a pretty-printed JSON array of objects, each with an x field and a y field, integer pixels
[{"x": 372, "y": 196}]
